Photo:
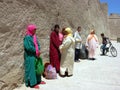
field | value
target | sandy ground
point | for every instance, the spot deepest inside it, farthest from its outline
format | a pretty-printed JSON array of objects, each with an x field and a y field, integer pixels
[{"x": 101, "y": 74}]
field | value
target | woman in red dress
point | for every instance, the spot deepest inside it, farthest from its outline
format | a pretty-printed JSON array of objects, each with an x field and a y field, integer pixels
[{"x": 54, "y": 48}]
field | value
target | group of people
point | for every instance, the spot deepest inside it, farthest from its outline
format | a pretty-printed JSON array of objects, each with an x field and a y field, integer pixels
[
  {"x": 90, "y": 46},
  {"x": 64, "y": 50}
]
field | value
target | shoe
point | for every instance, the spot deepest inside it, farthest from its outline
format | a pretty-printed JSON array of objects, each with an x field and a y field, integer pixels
[
  {"x": 77, "y": 60},
  {"x": 93, "y": 59},
  {"x": 36, "y": 87},
  {"x": 102, "y": 54},
  {"x": 90, "y": 58},
  {"x": 58, "y": 72},
  {"x": 42, "y": 82},
  {"x": 69, "y": 75},
  {"x": 62, "y": 75}
]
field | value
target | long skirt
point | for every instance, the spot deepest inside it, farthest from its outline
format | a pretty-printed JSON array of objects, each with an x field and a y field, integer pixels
[{"x": 31, "y": 78}]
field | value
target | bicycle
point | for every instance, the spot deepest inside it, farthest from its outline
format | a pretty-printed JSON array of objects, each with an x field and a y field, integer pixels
[{"x": 109, "y": 48}]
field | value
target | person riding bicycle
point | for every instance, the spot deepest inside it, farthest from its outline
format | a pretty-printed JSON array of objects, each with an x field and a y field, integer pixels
[{"x": 104, "y": 42}]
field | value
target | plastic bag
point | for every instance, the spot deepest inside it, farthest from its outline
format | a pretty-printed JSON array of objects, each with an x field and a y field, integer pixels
[{"x": 39, "y": 67}]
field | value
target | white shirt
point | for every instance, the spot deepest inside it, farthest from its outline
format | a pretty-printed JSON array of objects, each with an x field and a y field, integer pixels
[{"x": 78, "y": 40}]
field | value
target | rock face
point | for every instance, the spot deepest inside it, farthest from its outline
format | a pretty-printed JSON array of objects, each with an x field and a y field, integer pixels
[
  {"x": 114, "y": 25},
  {"x": 15, "y": 15}
]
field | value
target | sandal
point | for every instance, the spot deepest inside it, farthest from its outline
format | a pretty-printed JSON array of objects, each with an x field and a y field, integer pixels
[
  {"x": 36, "y": 87},
  {"x": 42, "y": 82}
]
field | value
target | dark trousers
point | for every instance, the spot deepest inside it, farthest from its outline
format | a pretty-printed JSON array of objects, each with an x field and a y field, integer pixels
[
  {"x": 77, "y": 54},
  {"x": 103, "y": 47}
]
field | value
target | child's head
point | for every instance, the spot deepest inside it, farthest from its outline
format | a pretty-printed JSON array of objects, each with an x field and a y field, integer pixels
[
  {"x": 102, "y": 34},
  {"x": 46, "y": 64}
]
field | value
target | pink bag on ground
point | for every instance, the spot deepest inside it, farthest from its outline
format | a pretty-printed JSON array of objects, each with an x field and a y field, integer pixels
[{"x": 50, "y": 72}]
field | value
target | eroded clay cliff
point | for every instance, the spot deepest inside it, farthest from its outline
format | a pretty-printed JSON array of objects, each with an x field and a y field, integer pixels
[{"x": 15, "y": 15}]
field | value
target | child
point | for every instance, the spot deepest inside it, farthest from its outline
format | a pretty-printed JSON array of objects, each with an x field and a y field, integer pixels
[{"x": 49, "y": 71}]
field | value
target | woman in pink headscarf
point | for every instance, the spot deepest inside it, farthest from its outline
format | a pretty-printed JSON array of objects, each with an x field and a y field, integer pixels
[{"x": 31, "y": 51}]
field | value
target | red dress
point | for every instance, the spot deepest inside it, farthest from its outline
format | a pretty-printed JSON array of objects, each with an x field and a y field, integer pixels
[{"x": 54, "y": 50}]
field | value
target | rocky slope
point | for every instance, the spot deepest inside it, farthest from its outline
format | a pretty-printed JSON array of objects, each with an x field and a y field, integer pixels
[{"x": 16, "y": 14}]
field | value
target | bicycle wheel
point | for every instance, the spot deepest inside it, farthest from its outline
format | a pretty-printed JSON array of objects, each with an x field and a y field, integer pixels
[{"x": 113, "y": 51}]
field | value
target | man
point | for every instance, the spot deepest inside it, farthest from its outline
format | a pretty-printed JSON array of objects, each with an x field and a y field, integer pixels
[
  {"x": 78, "y": 40},
  {"x": 104, "y": 42},
  {"x": 54, "y": 48}
]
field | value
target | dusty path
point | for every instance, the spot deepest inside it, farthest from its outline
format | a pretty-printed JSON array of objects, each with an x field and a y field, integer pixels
[{"x": 101, "y": 74}]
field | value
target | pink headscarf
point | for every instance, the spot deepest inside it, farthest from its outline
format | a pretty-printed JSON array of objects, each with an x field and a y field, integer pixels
[{"x": 31, "y": 31}]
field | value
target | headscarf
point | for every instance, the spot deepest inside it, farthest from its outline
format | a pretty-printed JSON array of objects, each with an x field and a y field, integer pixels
[
  {"x": 69, "y": 31},
  {"x": 92, "y": 33},
  {"x": 30, "y": 31}
]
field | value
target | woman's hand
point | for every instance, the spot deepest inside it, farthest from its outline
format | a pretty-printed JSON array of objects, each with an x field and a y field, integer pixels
[{"x": 38, "y": 54}]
